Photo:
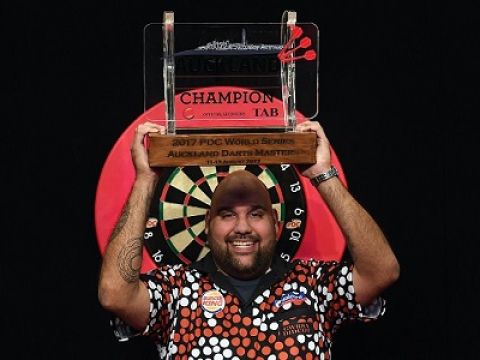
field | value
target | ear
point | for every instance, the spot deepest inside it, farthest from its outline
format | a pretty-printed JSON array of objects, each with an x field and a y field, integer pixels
[{"x": 207, "y": 222}]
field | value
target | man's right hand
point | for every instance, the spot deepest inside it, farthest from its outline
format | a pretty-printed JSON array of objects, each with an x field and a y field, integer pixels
[{"x": 139, "y": 151}]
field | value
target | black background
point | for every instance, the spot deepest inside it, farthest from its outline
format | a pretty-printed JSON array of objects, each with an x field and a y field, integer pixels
[{"x": 394, "y": 100}]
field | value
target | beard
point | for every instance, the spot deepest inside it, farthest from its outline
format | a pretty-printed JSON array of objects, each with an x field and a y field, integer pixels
[{"x": 233, "y": 265}]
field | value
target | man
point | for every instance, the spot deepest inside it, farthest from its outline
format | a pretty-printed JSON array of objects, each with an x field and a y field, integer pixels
[{"x": 241, "y": 301}]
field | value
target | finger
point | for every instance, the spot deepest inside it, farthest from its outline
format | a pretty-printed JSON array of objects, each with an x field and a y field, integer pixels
[
  {"x": 303, "y": 127},
  {"x": 308, "y": 126},
  {"x": 155, "y": 127},
  {"x": 147, "y": 127}
]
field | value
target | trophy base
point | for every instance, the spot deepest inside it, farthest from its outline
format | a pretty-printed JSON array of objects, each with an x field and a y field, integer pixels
[{"x": 238, "y": 148}]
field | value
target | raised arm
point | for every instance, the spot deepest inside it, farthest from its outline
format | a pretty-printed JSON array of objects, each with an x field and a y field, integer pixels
[
  {"x": 375, "y": 265},
  {"x": 120, "y": 290}
]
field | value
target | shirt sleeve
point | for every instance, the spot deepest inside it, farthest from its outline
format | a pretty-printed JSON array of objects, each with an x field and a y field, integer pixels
[
  {"x": 159, "y": 286},
  {"x": 338, "y": 294},
  {"x": 121, "y": 330}
]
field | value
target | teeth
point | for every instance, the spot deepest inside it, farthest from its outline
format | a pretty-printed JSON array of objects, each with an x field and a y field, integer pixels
[{"x": 242, "y": 243}]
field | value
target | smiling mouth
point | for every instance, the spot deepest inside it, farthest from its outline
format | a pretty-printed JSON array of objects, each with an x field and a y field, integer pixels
[{"x": 243, "y": 243}]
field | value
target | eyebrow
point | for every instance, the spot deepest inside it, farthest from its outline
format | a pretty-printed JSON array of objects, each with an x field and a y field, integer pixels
[{"x": 230, "y": 207}]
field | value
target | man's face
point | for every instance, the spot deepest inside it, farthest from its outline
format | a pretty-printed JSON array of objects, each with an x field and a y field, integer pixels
[{"x": 241, "y": 226}]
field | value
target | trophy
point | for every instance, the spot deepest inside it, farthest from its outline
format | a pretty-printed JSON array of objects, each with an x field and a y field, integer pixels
[{"x": 231, "y": 93}]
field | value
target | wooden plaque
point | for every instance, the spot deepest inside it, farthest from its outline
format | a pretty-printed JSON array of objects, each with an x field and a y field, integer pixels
[{"x": 232, "y": 149}]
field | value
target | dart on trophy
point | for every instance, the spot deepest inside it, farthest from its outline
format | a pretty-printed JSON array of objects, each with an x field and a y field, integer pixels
[{"x": 231, "y": 93}]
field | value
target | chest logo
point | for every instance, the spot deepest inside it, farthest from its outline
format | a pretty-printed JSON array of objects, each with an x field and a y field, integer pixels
[
  {"x": 213, "y": 301},
  {"x": 291, "y": 296}
]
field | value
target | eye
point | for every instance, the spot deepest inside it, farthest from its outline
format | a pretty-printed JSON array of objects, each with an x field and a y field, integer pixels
[
  {"x": 226, "y": 215},
  {"x": 257, "y": 214}
]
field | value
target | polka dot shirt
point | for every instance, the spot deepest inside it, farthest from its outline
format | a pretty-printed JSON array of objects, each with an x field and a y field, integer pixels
[{"x": 195, "y": 312}]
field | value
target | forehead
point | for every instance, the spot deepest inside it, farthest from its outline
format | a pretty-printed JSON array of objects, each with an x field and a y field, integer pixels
[{"x": 241, "y": 189}]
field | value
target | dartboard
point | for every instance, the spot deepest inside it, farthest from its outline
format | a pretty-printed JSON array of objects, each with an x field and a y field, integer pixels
[{"x": 175, "y": 228}]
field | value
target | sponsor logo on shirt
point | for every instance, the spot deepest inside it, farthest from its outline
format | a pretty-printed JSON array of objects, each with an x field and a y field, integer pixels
[
  {"x": 213, "y": 301},
  {"x": 290, "y": 297}
]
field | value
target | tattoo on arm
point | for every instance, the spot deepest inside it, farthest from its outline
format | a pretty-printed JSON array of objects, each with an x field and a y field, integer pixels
[
  {"x": 129, "y": 260},
  {"x": 121, "y": 223}
]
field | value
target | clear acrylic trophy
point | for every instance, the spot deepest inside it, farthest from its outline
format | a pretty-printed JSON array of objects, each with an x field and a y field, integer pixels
[{"x": 231, "y": 93}]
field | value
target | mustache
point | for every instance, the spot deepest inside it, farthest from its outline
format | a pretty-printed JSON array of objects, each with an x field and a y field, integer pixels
[{"x": 242, "y": 237}]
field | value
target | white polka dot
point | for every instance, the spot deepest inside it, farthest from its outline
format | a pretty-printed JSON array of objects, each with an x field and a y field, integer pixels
[
  {"x": 195, "y": 353},
  {"x": 273, "y": 326},
  {"x": 257, "y": 322},
  {"x": 227, "y": 354},
  {"x": 213, "y": 341},
  {"x": 224, "y": 343},
  {"x": 184, "y": 302},
  {"x": 186, "y": 291}
]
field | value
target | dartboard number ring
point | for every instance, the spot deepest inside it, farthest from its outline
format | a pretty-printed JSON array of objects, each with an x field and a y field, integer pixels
[{"x": 174, "y": 232}]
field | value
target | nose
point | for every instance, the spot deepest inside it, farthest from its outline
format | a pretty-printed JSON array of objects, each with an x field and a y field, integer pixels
[{"x": 242, "y": 225}]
